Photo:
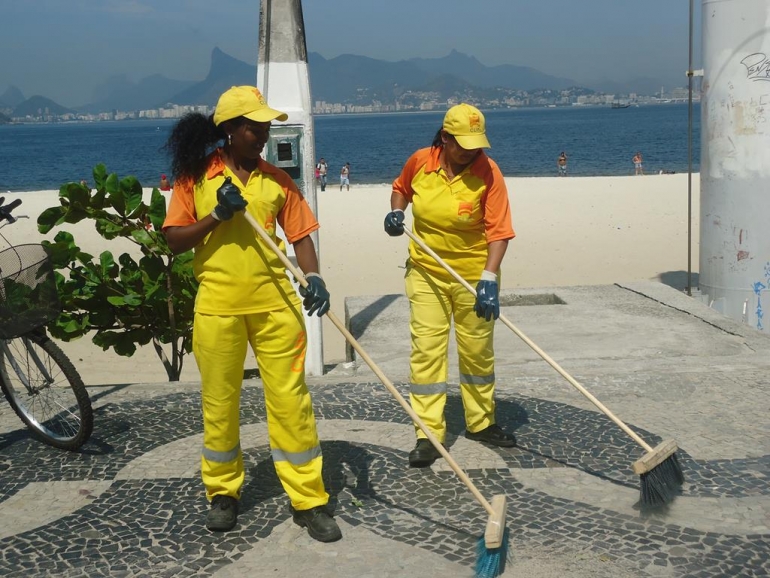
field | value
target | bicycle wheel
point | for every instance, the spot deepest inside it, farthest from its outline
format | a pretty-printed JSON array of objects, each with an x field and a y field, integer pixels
[{"x": 55, "y": 405}]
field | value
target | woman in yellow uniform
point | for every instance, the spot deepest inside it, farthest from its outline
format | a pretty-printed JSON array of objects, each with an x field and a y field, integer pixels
[
  {"x": 245, "y": 298},
  {"x": 461, "y": 211}
]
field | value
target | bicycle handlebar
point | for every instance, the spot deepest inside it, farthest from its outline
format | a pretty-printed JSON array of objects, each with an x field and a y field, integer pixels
[{"x": 5, "y": 210}]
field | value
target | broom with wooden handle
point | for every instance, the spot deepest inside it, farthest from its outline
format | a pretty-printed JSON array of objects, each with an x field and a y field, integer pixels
[
  {"x": 660, "y": 474},
  {"x": 493, "y": 546}
]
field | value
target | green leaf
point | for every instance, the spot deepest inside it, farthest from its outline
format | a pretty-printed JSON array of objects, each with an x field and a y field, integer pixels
[
  {"x": 77, "y": 194},
  {"x": 50, "y": 218},
  {"x": 97, "y": 200},
  {"x": 139, "y": 213},
  {"x": 109, "y": 230},
  {"x": 112, "y": 184},
  {"x": 133, "y": 299},
  {"x": 107, "y": 262},
  {"x": 74, "y": 216},
  {"x": 157, "y": 211},
  {"x": 100, "y": 177},
  {"x": 153, "y": 268},
  {"x": 132, "y": 193},
  {"x": 142, "y": 236},
  {"x": 63, "y": 250}
]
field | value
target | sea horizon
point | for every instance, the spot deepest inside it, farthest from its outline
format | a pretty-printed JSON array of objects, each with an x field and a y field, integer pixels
[{"x": 599, "y": 141}]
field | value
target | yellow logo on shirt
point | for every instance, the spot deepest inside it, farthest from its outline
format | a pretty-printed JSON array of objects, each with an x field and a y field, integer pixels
[
  {"x": 270, "y": 222},
  {"x": 464, "y": 211}
]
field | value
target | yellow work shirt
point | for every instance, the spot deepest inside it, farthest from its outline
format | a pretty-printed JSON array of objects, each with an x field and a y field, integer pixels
[
  {"x": 237, "y": 271},
  {"x": 458, "y": 217}
]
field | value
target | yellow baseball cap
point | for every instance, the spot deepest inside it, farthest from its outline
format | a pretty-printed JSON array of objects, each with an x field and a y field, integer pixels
[
  {"x": 245, "y": 101},
  {"x": 466, "y": 124}
]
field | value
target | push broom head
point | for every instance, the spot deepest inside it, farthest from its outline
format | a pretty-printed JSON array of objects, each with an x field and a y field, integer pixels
[
  {"x": 492, "y": 548},
  {"x": 660, "y": 475}
]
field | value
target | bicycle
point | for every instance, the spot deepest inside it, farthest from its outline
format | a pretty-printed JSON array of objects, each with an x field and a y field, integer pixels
[{"x": 38, "y": 380}]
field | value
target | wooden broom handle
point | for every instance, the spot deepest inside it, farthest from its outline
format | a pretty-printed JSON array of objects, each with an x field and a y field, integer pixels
[
  {"x": 391, "y": 388},
  {"x": 534, "y": 347}
]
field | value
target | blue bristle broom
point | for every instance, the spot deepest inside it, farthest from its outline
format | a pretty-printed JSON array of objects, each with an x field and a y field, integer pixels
[{"x": 492, "y": 549}]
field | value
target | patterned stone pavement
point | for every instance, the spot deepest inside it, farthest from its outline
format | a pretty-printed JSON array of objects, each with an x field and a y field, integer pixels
[{"x": 131, "y": 502}]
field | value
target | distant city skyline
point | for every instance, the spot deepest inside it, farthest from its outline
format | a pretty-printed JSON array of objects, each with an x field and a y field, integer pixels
[{"x": 64, "y": 49}]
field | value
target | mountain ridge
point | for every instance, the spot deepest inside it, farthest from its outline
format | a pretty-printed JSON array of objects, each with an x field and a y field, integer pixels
[{"x": 346, "y": 78}]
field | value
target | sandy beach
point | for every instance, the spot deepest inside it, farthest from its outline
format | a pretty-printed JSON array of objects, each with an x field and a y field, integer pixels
[{"x": 570, "y": 231}]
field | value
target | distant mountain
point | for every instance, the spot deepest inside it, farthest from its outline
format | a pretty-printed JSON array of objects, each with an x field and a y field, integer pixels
[
  {"x": 119, "y": 93},
  {"x": 348, "y": 77},
  {"x": 224, "y": 72},
  {"x": 446, "y": 84},
  {"x": 11, "y": 98},
  {"x": 505, "y": 75},
  {"x": 156, "y": 91},
  {"x": 39, "y": 106}
]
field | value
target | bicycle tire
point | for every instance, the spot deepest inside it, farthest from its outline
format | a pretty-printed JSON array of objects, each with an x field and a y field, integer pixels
[{"x": 57, "y": 413}]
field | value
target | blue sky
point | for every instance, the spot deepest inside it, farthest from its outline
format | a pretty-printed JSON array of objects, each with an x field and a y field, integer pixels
[{"x": 62, "y": 49}]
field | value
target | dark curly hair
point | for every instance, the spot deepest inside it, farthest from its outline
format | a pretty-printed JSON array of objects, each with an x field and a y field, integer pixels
[{"x": 193, "y": 137}]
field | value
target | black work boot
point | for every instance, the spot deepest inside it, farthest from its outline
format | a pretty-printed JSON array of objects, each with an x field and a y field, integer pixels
[
  {"x": 223, "y": 514},
  {"x": 423, "y": 454},
  {"x": 493, "y": 435},
  {"x": 320, "y": 525}
]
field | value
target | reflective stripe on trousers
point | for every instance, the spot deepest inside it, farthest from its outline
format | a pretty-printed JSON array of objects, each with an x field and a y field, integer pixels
[
  {"x": 433, "y": 303},
  {"x": 278, "y": 340}
]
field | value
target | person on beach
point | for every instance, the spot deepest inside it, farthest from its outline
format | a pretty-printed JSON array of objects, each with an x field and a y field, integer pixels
[
  {"x": 561, "y": 162},
  {"x": 638, "y": 170},
  {"x": 461, "y": 211},
  {"x": 345, "y": 177},
  {"x": 321, "y": 170},
  {"x": 165, "y": 185},
  {"x": 245, "y": 298}
]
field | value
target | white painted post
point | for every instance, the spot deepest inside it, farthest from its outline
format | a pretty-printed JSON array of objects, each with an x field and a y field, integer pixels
[
  {"x": 284, "y": 80},
  {"x": 735, "y": 159}
]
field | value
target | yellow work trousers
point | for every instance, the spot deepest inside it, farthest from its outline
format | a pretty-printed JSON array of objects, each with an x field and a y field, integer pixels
[
  {"x": 433, "y": 303},
  {"x": 279, "y": 342}
]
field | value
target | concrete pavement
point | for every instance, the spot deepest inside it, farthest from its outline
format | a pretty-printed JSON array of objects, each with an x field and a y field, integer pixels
[{"x": 131, "y": 502}]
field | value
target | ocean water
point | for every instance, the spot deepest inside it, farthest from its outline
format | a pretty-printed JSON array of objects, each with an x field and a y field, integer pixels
[{"x": 525, "y": 142}]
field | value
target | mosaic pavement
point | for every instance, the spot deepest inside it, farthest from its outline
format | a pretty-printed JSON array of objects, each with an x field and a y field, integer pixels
[{"x": 131, "y": 503}]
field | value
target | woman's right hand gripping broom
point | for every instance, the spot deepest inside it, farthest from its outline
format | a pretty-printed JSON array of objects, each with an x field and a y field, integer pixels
[
  {"x": 315, "y": 297},
  {"x": 229, "y": 201}
]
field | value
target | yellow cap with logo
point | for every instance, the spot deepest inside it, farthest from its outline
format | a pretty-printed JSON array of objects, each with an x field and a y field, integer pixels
[
  {"x": 467, "y": 125},
  {"x": 248, "y": 102}
]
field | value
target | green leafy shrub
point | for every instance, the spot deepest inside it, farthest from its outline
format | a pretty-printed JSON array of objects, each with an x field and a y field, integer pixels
[{"x": 124, "y": 301}]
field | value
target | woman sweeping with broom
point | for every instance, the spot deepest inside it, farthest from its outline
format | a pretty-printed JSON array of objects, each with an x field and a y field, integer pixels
[
  {"x": 460, "y": 208},
  {"x": 246, "y": 299},
  {"x": 661, "y": 476}
]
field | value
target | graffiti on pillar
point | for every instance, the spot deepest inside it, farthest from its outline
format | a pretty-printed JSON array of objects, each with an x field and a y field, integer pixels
[
  {"x": 758, "y": 287},
  {"x": 757, "y": 67}
]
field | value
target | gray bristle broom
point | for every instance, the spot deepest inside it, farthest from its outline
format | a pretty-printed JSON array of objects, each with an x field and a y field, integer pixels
[{"x": 660, "y": 474}]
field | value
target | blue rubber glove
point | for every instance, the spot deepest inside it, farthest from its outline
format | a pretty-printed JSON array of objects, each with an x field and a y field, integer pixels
[
  {"x": 229, "y": 200},
  {"x": 315, "y": 295},
  {"x": 394, "y": 223},
  {"x": 487, "y": 299}
]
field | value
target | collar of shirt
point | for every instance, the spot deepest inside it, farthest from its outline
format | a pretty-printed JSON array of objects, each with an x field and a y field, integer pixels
[
  {"x": 217, "y": 165},
  {"x": 433, "y": 165}
]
